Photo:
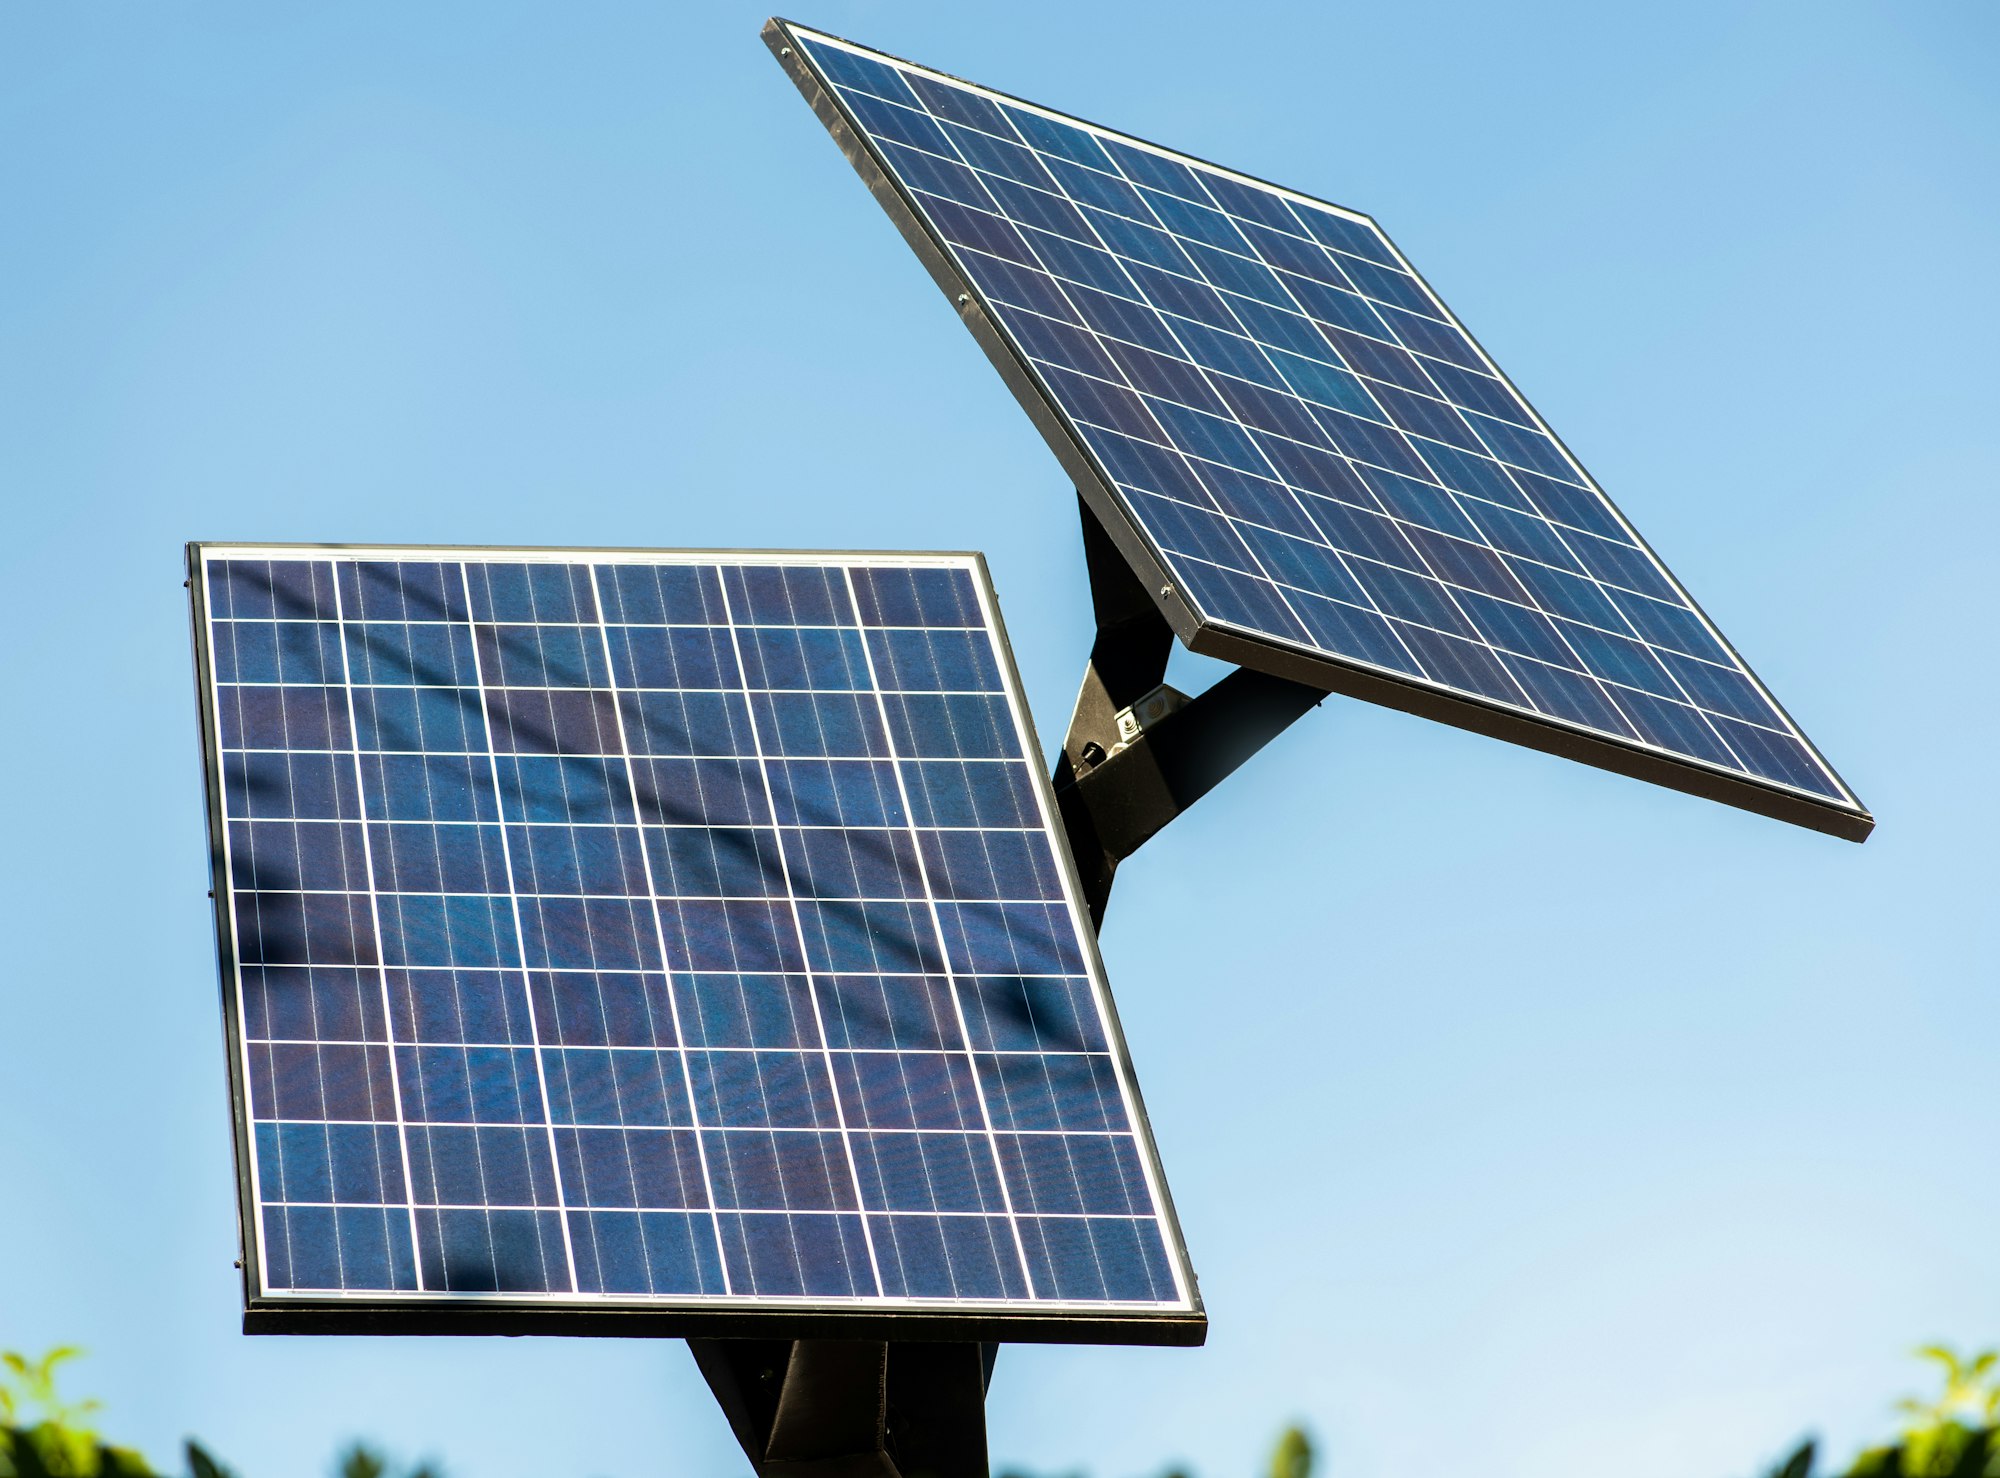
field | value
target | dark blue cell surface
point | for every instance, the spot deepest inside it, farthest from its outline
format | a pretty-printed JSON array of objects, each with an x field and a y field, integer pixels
[
  {"x": 660, "y": 929},
  {"x": 1318, "y": 452}
]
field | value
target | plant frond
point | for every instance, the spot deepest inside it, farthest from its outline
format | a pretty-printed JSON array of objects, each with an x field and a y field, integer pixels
[{"x": 1799, "y": 1464}]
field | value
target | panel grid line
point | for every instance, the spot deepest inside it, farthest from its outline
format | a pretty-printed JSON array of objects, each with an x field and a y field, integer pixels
[
  {"x": 791, "y": 901},
  {"x": 1166, "y": 439},
  {"x": 660, "y": 935},
  {"x": 944, "y": 956},
  {"x": 381, "y": 954},
  {"x": 1069, "y": 296},
  {"x": 454, "y": 1025},
  {"x": 1242, "y": 350},
  {"x": 1155, "y": 1185},
  {"x": 520, "y": 941}
]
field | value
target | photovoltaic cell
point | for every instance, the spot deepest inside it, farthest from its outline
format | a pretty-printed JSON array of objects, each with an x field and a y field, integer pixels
[
  {"x": 1317, "y": 453},
  {"x": 658, "y": 931}
]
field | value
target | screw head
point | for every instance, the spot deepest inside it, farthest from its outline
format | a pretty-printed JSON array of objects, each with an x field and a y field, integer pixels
[{"x": 1166, "y": 592}]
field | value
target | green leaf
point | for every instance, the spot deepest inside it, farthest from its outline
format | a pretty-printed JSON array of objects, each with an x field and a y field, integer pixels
[
  {"x": 201, "y": 1465},
  {"x": 122, "y": 1462},
  {"x": 25, "y": 1452},
  {"x": 362, "y": 1462},
  {"x": 1799, "y": 1464},
  {"x": 1972, "y": 1459},
  {"x": 1294, "y": 1455}
]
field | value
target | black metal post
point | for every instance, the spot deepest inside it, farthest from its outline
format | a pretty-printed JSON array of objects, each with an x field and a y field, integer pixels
[{"x": 822, "y": 1408}]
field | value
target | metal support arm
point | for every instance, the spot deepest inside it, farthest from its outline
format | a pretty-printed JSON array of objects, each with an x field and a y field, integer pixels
[
  {"x": 1138, "y": 753},
  {"x": 823, "y": 1408}
]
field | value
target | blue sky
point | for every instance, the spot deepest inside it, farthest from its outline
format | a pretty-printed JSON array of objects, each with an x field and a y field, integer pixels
[{"x": 1518, "y": 1114}]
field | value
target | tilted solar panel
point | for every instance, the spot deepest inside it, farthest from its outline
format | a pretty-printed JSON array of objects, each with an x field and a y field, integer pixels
[
  {"x": 1299, "y": 446},
  {"x": 676, "y": 936}
]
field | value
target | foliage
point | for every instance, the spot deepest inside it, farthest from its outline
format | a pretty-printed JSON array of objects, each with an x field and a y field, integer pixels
[
  {"x": 1971, "y": 1390},
  {"x": 362, "y": 1461},
  {"x": 1294, "y": 1455},
  {"x": 201, "y": 1465},
  {"x": 1951, "y": 1450},
  {"x": 1292, "y": 1458},
  {"x": 42, "y": 1451},
  {"x": 1955, "y": 1436},
  {"x": 44, "y": 1436},
  {"x": 33, "y": 1383}
]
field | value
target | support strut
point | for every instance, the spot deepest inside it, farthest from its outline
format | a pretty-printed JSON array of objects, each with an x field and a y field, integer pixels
[
  {"x": 1138, "y": 752},
  {"x": 828, "y": 1408}
]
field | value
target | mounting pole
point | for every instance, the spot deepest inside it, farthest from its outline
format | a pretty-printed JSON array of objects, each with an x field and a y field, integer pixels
[
  {"x": 835, "y": 1408},
  {"x": 1138, "y": 752}
]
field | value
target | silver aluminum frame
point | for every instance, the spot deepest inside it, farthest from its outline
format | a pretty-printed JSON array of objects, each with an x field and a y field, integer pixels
[
  {"x": 1210, "y": 637},
  {"x": 713, "y": 1316}
]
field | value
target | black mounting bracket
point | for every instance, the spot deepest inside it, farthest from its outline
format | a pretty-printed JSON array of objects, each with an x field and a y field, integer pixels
[
  {"x": 837, "y": 1408},
  {"x": 1138, "y": 752}
]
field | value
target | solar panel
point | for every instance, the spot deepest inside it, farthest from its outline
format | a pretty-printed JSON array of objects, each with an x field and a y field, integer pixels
[
  {"x": 678, "y": 940},
  {"x": 1300, "y": 448}
]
